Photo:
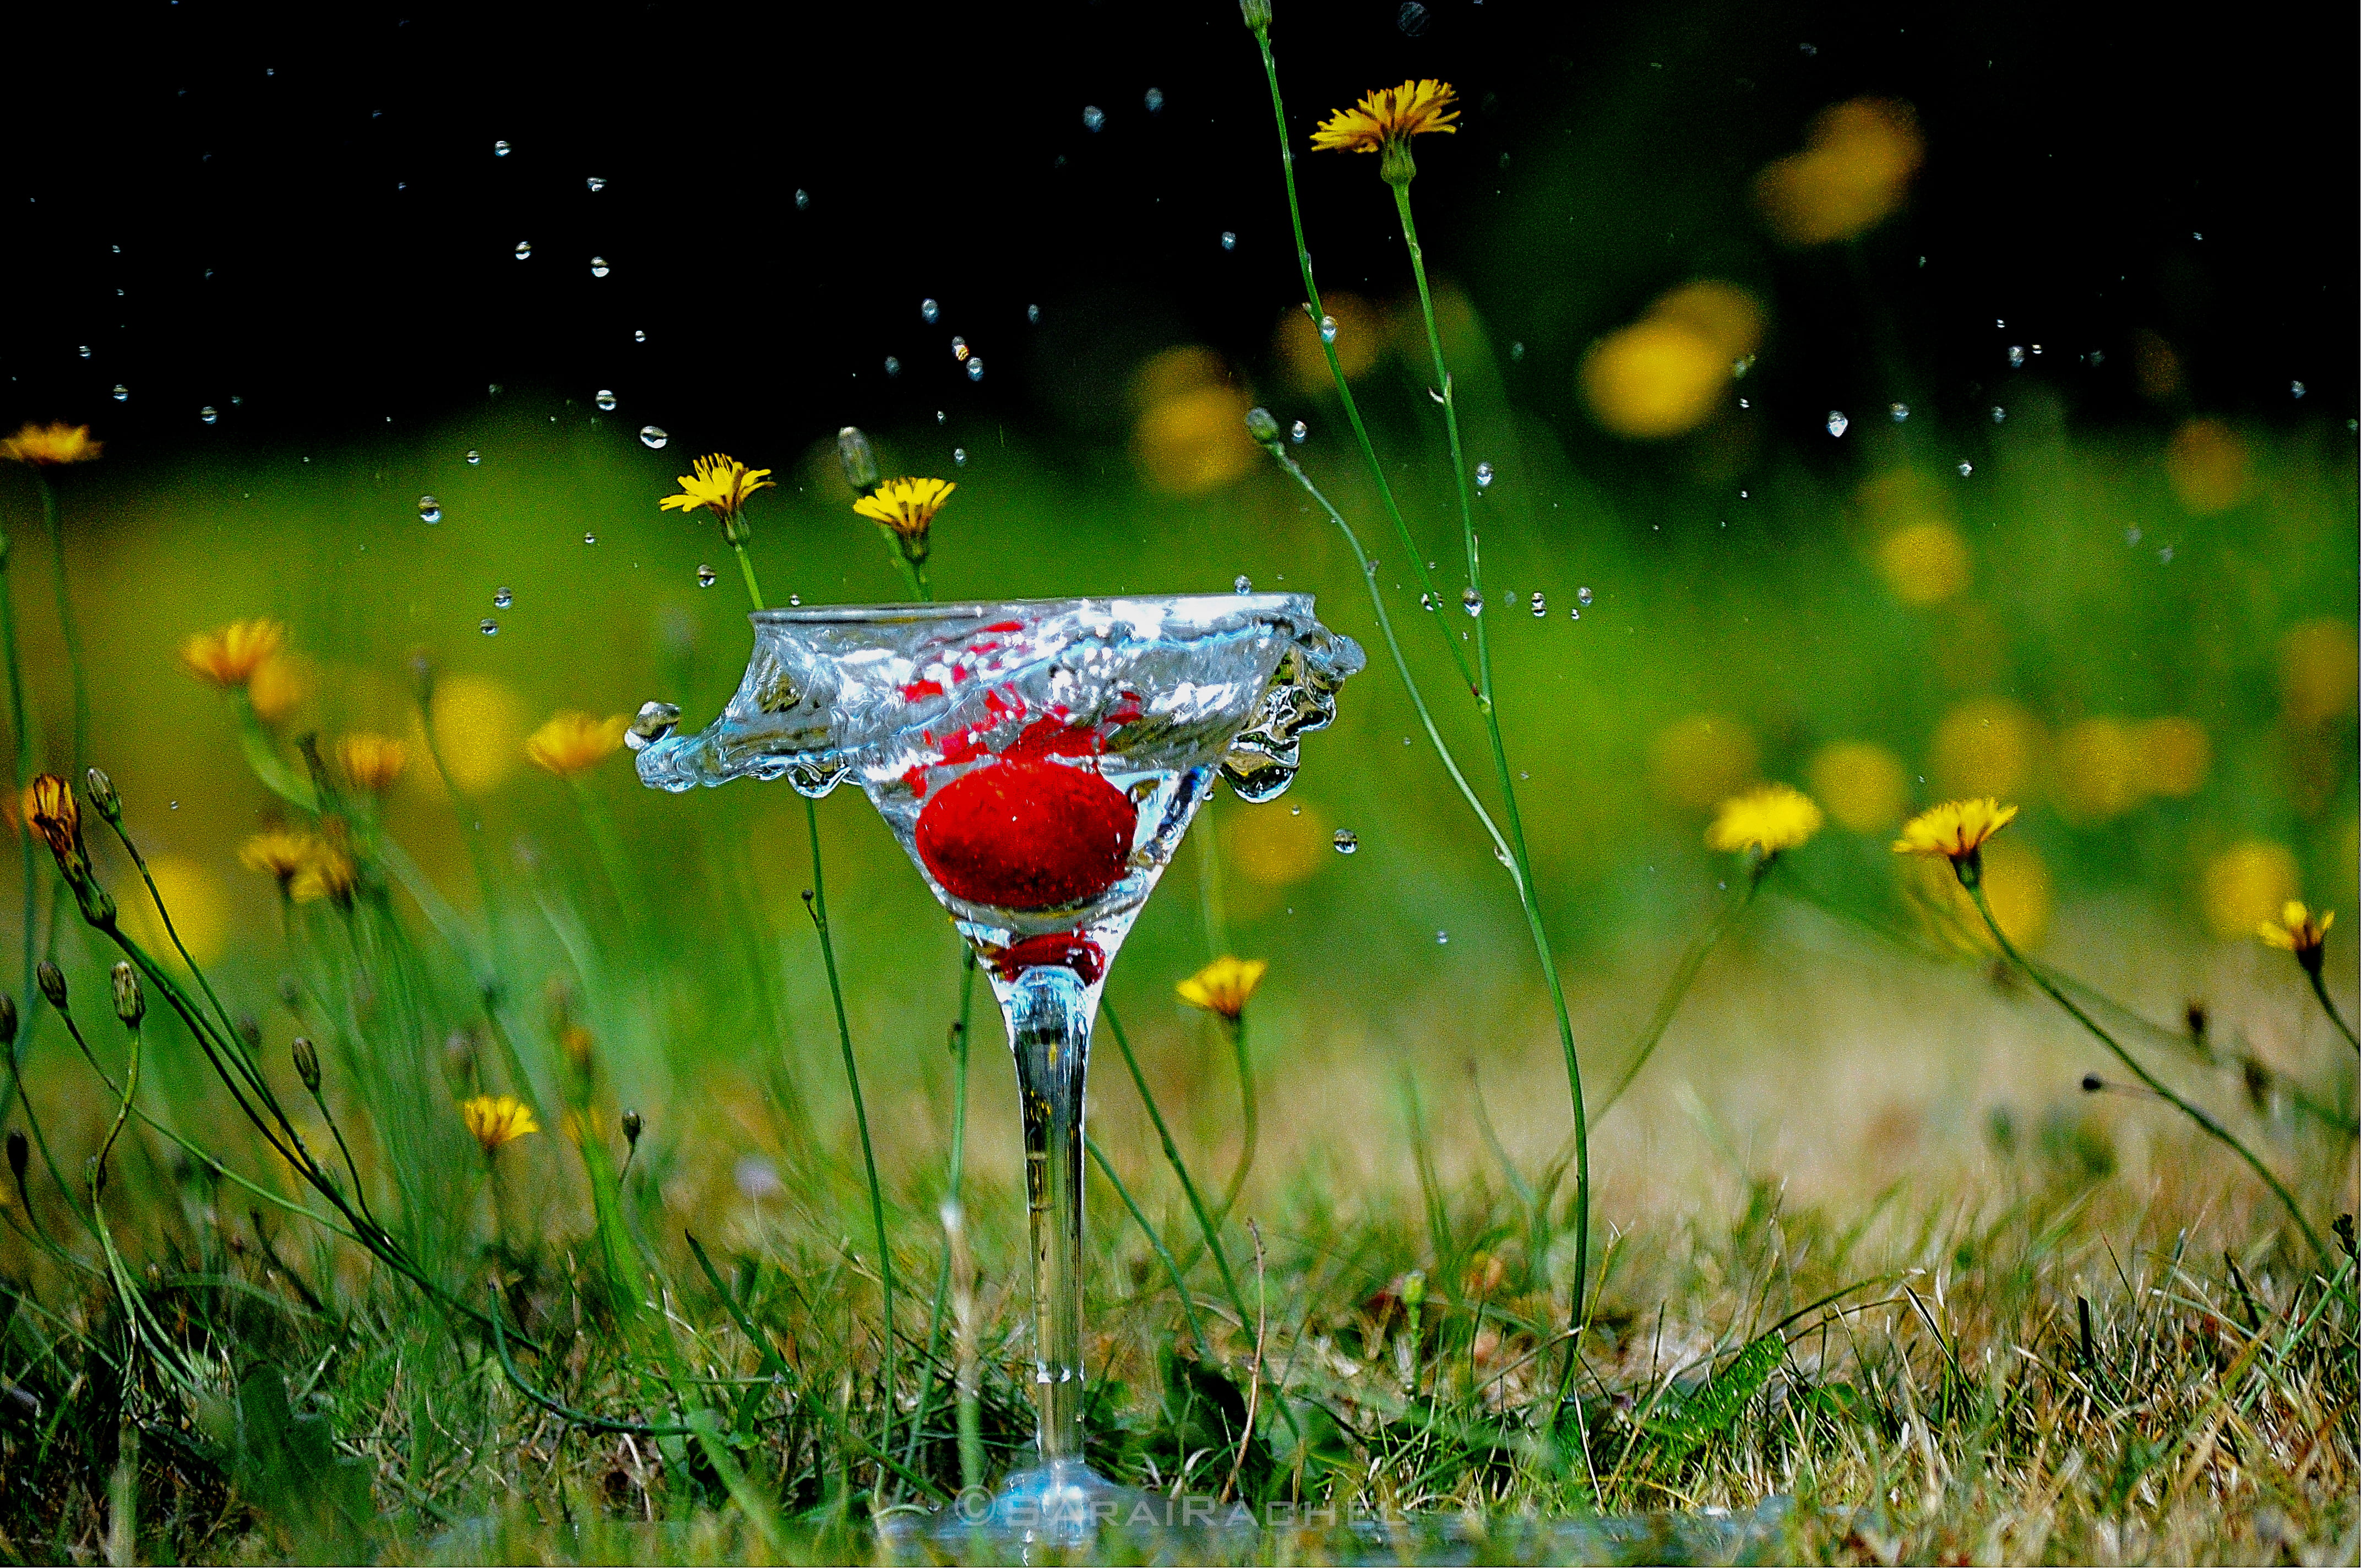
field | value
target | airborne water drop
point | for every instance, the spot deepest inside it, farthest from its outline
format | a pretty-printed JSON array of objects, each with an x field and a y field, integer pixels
[
  {"x": 652, "y": 438},
  {"x": 1346, "y": 840},
  {"x": 1837, "y": 423},
  {"x": 707, "y": 577},
  {"x": 430, "y": 510},
  {"x": 502, "y": 597}
]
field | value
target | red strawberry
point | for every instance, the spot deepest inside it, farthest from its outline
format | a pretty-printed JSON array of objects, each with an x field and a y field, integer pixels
[{"x": 1027, "y": 835}]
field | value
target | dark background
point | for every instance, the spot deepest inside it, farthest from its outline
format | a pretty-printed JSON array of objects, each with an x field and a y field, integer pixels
[{"x": 298, "y": 218}]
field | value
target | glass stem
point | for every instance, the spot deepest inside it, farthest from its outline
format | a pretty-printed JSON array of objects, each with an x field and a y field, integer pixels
[{"x": 1049, "y": 1013}]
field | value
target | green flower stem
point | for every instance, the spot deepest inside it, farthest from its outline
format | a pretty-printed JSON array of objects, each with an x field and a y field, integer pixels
[
  {"x": 1171, "y": 1268},
  {"x": 1741, "y": 898},
  {"x": 817, "y": 904},
  {"x": 1337, "y": 370},
  {"x": 2320, "y": 988},
  {"x": 66, "y": 623},
  {"x": 610, "y": 856},
  {"x": 1247, "y": 1117},
  {"x": 122, "y": 1115},
  {"x": 746, "y": 568},
  {"x": 1180, "y": 1167},
  {"x": 1971, "y": 875},
  {"x": 1523, "y": 859}
]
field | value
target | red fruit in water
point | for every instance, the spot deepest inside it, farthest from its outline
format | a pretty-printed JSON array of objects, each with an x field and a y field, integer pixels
[{"x": 1022, "y": 834}]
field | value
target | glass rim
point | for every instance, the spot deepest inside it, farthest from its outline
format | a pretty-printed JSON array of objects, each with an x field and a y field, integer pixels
[{"x": 856, "y": 614}]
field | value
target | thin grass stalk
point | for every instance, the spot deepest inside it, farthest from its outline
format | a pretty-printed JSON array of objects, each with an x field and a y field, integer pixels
[
  {"x": 2320, "y": 988},
  {"x": 1971, "y": 878},
  {"x": 1676, "y": 989},
  {"x": 1205, "y": 1225},
  {"x": 816, "y": 902},
  {"x": 1247, "y": 1116},
  {"x": 958, "y": 1165}
]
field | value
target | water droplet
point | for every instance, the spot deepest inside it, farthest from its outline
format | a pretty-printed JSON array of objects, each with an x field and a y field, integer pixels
[
  {"x": 208, "y": 414},
  {"x": 2016, "y": 356},
  {"x": 1837, "y": 423},
  {"x": 1582, "y": 594},
  {"x": 640, "y": 336},
  {"x": 429, "y": 509},
  {"x": 1541, "y": 607},
  {"x": 1426, "y": 601},
  {"x": 1033, "y": 315},
  {"x": 1155, "y": 100},
  {"x": 598, "y": 268},
  {"x": 1470, "y": 600},
  {"x": 606, "y": 401},
  {"x": 596, "y": 184},
  {"x": 1443, "y": 939},
  {"x": 1966, "y": 469},
  {"x": 589, "y": 539},
  {"x": 489, "y": 627},
  {"x": 1242, "y": 584},
  {"x": 524, "y": 249},
  {"x": 975, "y": 368},
  {"x": 502, "y": 597},
  {"x": 1899, "y": 410},
  {"x": 959, "y": 456},
  {"x": 1346, "y": 841},
  {"x": 1575, "y": 613},
  {"x": 122, "y": 392},
  {"x": 500, "y": 150},
  {"x": 959, "y": 348},
  {"x": 1299, "y": 432},
  {"x": 2295, "y": 388},
  {"x": 707, "y": 577},
  {"x": 1327, "y": 329},
  {"x": 2131, "y": 534},
  {"x": 803, "y": 201},
  {"x": 929, "y": 310},
  {"x": 1483, "y": 475},
  {"x": 1411, "y": 19},
  {"x": 1999, "y": 413},
  {"x": 653, "y": 436},
  {"x": 794, "y": 599},
  {"x": 85, "y": 351},
  {"x": 1094, "y": 117},
  {"x": 1516, "y": 351},
  {"x": 1229, "y": 239}
]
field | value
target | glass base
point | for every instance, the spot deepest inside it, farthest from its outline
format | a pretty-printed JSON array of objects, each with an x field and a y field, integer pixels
[{"x": 1063, "y": 1500}]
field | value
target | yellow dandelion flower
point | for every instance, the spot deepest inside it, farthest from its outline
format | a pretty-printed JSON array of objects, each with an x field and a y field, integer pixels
[
  {"x": 281, "y": 853},
  {"x": 230, "y": 656},
  {"x": 906, "y": 507},
  {"x": 50, "y": 445},
  {"x": 574, "y": 743},
  {"x": 1388, "y": 117},
  {"x": 1223, "y": 986},
  {"x": 328, "y": 871},
  {"x": 495, "y": 1122},
  {"x": 370, "y": 762},
  {"x": 2299, "y": 931},
  {"x": 1955, "y": 830},
  {"x": 1769, "y": 817},
  {"x": 722, "y": 484}
]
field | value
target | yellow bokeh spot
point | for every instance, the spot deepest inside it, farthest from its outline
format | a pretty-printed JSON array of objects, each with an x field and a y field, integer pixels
[
  {"x": 1190, "y": 436},
  {"x": 1662, "y": 375},
  {"x": 1276, "y": 849},
  {"x": 1924, "y": 564},
  {"x": 2175, "y": 755},
  {"x": 200, "y": 906},
  {"x": 1295, "y": 344},
  {"x": 479, "y": 730},
  {"x": 1854, "y": 171},
  {"x": 1984, "y": 746},
  {"x": 2317, "y": 672},
  {"x": 2247, "y": 884},
  {"x": 1864, "y": 785},
  {"x": 2099, "y": 770},
  {"x": 1702, "y": 760},
  {"x": 2207, "y": 465}
]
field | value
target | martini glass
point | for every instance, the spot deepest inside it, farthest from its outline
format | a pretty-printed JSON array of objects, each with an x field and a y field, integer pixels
[{"x": 1039, "y": 759}]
